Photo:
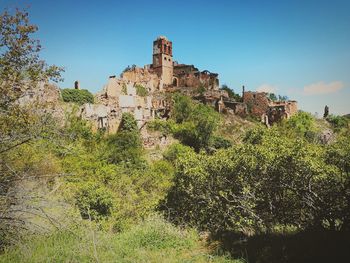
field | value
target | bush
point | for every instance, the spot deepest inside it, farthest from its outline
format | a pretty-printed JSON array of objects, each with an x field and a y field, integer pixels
[
  {"x": 128, "y": 123},
  {"x": 218, "y": 142},
  {"x": 199, "y": 127},
  {"x": 231, "y": 93},
  {"x": 182, "y": 108},
  {"x": 270, "y": 180},
  {"x": 94, "y": 201},
  {"x": 165, "y": 127},
  {"x": 141, "y": 91},
  {"x": 176, "y": 150},
  {"x": 125, "y": 148},
  {"x": 338, "y": 122},
  {"x": 77, "y": 96}
]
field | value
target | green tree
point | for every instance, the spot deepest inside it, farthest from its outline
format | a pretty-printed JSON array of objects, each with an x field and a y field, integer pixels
[
  {"x": 128, "y": 123},
  {"x": 199, "y": 127},
  {"x": 231, "y": 93},
  {"x": 125, "y": 146},
  {"x": 338, "y": 122},
  {"x": 21, "y": 70},
  {"x": 182, "y": 108}
]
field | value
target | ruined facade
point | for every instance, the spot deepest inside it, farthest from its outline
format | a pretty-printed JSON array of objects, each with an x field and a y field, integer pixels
[{"x": 261, "y": 106}]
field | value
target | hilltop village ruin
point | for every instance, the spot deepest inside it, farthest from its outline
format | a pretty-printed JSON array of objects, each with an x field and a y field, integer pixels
[{"x": 144, "y": 92}]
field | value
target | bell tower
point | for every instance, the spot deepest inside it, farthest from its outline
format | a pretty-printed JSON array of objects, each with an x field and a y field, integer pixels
[{"x": 163, "y": 59}]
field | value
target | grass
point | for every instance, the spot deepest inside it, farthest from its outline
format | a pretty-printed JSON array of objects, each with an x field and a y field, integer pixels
[{"x": 153, "y": 240}]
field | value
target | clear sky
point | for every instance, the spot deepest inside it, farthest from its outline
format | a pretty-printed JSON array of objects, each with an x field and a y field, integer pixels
[{"x": 297, "y": 48}]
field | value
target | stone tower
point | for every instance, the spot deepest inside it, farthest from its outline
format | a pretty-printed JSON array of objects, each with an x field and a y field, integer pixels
[{"x": 163, "y": 59}]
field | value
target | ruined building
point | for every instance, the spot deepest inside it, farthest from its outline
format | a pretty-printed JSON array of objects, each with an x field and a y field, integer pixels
[
  {"x": 163, "y": 60},
  {"x": 261, "y": 106},
  {"x": 143, "y": 92}
]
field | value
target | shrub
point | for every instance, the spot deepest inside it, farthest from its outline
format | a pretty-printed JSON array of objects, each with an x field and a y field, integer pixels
[
  {"x": 141, "y": 90},
  {"x": 124, "y": 89},
  {"x": 125, "y": 147},
  {"x": 338, "y": 122},
  {"x": 165, "y": 127},
  {"x": 218, "y": 142},
  {"x": 270, "y": 180},
  {"x": 94, "y": 201},
  {"x": 231, "y": 93},
  {"x": 182, "y": 108},
  {"x": 128, "y": 122},
  {"x": 174, "y": 151},
  {"x": 77, "y": 96}
]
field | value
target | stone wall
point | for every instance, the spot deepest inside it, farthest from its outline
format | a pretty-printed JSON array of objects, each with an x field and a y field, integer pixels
[
  {"x": 260, "y": 106},
  {"x": 190, "y": 76},
  {"x": 257, "y": 103},
  {"x": 163, "y": 59}
]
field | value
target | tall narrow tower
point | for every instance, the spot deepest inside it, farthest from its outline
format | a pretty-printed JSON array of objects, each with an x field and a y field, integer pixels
[{"x": 163, "y": 59}]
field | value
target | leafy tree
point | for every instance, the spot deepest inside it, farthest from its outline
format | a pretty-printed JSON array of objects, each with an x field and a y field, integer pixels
[
  {"x": 21, "y": 69},
  {"x": 338, "y": 122},
  {"x": 182, "y": 108},
  {"x": 218, "y": 142},
  {"x": 199, "y": 128},
  {"x": 282, "y": 98},
  {"x": 270, "y": 180},
  {"x": 300, "y": 125},
  {"x": 125, "y": 146},
  {"x": 77, "y": 96},
  {"x": 175, "y": 151},
  {"x": 128, "y": 123},
  {"x": 231, "y": 93},
  {"x": 273, "y": 96}
]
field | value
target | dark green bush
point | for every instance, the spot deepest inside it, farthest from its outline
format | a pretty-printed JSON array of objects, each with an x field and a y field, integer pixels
[
  {"x": 94, "y": 201},
  {"x": 128, "y": 122},
  {"x": 77, "y": 96},
  {"x": 218, "y": 142}
]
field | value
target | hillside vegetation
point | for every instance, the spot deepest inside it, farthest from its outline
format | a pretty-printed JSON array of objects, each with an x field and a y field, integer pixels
[{"x": 228, "y": 190}]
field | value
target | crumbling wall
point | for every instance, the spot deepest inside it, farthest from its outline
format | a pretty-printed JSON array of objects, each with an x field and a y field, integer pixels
[
  {"x": 260, "y": 106},
  {"x": 142, "y": 76},
  {"x": 190, "y": 76},
  {"x": 101, "y": 117},
  {"x": 257, "y": 103}
]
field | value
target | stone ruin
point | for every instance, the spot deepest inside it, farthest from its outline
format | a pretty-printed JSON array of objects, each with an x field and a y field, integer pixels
[
  {"x": 144, "y": 93},
  {"x": 261, "y": 106}
]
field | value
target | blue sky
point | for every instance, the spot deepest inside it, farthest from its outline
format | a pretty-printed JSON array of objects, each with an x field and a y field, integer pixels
[{"x": 296, "y": 48}]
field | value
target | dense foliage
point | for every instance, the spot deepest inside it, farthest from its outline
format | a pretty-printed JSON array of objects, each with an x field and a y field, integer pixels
[
  {"x": 275, "y": 179},
  {"x": 77, "y": 96},
  {"x": 338, "y": 122},
  {"x": 141, "y": 90},
  {"x": 194, "y": 124},
  {"x": 231, "y": 93}
]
